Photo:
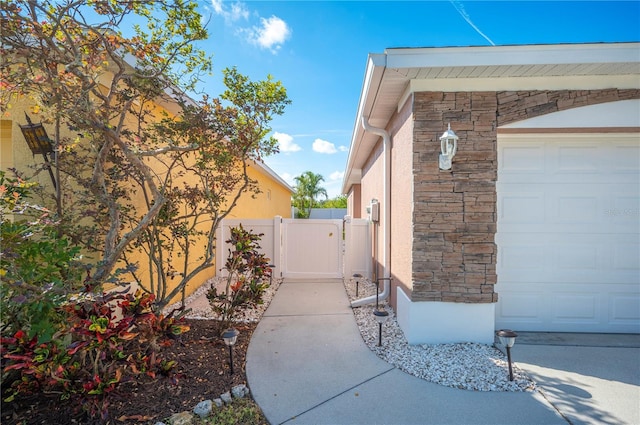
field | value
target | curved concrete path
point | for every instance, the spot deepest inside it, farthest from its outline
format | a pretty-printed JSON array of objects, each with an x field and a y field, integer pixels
[{"x": 307, "y": 364}]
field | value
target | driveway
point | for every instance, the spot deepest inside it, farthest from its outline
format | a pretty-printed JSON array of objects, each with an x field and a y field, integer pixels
[{"x": 588, "y": 378}]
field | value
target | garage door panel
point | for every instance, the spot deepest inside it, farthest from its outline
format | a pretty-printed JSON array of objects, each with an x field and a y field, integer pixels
[
  {"x": 575, "y": 307},
  {"x": 569, "y": 233},
  {"x": 625, "y": 159},
  {"x": 624, "y": 308},
  {"x": 523, "y": 207},
  {"x": 568, "y": 209},
  {"x": 577, "y": 159},
  {"x": 568, "y": 307},
  {"x": 522, "y": 307},
  {"x": 581, "y": 258}
]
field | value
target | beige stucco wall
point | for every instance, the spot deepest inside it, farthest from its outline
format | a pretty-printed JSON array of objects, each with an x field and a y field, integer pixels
[
  {"x": 354, "y": 202},
  {"x": 401, "y": 130},
  {"x": 372, "y": 187}
]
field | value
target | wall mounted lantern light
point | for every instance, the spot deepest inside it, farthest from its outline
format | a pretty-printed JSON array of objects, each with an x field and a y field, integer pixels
[
  {"x": 448, "y": 148},
  {"x": 230, "y": 336},
  {"x": 39, "y": 143}
]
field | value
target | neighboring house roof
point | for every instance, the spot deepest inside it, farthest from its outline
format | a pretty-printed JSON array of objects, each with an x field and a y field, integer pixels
[
  {"x": 268, "y": 171},
  {"x": 391, "y": 77}
]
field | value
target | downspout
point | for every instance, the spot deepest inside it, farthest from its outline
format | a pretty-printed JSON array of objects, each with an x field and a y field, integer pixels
[{"x": 386, "y": 244}]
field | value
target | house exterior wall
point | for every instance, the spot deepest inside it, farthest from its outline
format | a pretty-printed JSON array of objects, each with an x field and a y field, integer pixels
[
  {"x": 372, "y": 187},
  {"x": 275, "y": 198},
  {"x": 454, "y": 253},
  {"x": 354, "y": 201},
  {"x": 401, "y": 130}
]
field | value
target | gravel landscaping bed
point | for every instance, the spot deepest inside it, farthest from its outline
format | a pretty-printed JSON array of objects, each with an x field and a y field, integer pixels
[
  {"x": 199, "y": 307},
  {"x": 468, "y": 366}
]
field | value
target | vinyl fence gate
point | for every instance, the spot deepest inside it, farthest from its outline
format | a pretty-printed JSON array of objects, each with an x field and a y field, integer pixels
[{"x": 306, "y": 248}]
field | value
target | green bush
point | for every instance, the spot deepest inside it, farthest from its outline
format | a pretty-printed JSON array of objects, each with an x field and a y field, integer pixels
[
  {"x": 58, "y": 336},
  {"x": 248, "y": 273},
  {"x": 39, "y": 270}
]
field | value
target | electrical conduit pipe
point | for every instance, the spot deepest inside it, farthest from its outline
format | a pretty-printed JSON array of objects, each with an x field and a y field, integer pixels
[{"x": 386, "y": 244}]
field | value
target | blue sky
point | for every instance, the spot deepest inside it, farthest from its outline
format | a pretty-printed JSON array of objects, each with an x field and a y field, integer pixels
[{"x": 318, "y": 49}]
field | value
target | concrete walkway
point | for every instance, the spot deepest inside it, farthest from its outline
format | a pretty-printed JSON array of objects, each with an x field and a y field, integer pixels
[{"x": 307, "y": 364}]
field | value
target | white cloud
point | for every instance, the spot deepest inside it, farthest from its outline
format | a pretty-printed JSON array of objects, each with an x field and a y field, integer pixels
[
  {"x": 286, "y": 143},
  {"x": 237, "y": 11},
  {"x": 322, "y": 146},
  {"x": 336, "y": 175},
  {"x": 271, "y": 34},
  {"x": 343, "y": 148}
]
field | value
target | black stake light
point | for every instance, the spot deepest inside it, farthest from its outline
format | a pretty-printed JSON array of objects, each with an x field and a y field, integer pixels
[
  {"x": 230, "y": 336},
  {"x": 508, "y": 338},
  {"x": 357, "y": 277},
  {"x": 381, "y": 316}
]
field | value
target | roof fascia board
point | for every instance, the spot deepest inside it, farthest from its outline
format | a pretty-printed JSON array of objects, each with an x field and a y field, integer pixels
[
  {"x": 264, "y": 169},
  {"x": 513, "y": 55},
  {"x": 374, "y": 72},
  {"x": 591, "y": 82}
]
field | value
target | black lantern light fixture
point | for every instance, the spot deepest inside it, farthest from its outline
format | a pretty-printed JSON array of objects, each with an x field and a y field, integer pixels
[
  {"x": 39, "y": 143},
  {"x": 508, "y": 338},
  {"x": 230, "y": 337},
  {"x": 381, "y": 316}
]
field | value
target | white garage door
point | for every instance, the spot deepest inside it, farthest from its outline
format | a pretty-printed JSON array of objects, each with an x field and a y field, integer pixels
[{"x": 569, "y": 233}]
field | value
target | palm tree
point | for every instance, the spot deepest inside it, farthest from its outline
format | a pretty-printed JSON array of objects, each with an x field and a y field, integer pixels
[{"x": 307, "y": 191}]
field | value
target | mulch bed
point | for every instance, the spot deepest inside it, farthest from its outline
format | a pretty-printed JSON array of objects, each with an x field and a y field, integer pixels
[{"x": 202, "y": 373}]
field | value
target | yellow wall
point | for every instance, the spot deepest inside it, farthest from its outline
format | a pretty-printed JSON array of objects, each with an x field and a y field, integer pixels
[{"x": 274, "y": 199}]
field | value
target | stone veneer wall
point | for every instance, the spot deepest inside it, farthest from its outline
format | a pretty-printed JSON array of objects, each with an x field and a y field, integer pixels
[{"x": 454, "y": 218}]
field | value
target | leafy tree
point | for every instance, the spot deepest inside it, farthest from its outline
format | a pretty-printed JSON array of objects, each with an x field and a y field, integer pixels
[
  {"x": 306, "y": 192},
  {"x": 339, "y": 201},
  {"x": 135, "y": 178}
]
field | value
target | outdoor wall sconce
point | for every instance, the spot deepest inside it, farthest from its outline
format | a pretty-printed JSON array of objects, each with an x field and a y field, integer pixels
[
  {"x": 39, "y": 143},
  {"x": 508, "y": 338},
  {"x": 381, "y": 316},
  {"x": 448, "y": 148},
  {"x": 230, "y": 337},
  {"x": 357, "y": 277}
]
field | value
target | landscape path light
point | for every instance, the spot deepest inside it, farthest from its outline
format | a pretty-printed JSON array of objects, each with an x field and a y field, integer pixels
[
  {"x": 357, "y": 277},
  {"x": 381, "y": 316},
  {"x": 508, "y": 338},
  {"x": 230, "y": 337}
]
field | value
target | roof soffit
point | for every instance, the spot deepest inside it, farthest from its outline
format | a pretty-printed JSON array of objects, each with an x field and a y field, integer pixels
[{"x": 392, "y": 77}]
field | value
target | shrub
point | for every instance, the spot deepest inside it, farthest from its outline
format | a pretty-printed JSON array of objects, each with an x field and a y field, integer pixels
[
  {"x": 248, "y": 271},
  {"x": 39, "y": 270},
  {"x": 98, "y": 352}
]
